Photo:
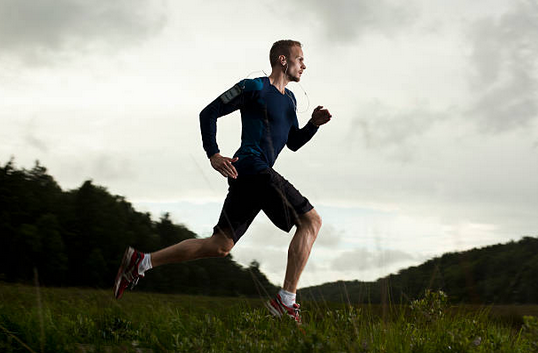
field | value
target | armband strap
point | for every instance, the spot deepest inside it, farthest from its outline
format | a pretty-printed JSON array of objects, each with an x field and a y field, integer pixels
[{"x": 231, "y": 94}]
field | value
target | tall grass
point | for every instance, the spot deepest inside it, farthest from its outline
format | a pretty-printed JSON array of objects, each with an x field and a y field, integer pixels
[{"x": 84, "y": 320}]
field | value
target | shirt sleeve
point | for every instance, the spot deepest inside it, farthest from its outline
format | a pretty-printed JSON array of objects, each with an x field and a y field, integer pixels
[
  {"x": 226, "y": 103},
  {"x": 298, "y": 137}
]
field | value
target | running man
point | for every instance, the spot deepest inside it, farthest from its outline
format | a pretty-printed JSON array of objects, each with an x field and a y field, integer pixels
[{"x": 269, "y": 122}]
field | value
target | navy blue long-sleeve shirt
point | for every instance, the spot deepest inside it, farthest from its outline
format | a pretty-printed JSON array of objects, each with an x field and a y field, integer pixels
[{"x": 269, "y": 122}]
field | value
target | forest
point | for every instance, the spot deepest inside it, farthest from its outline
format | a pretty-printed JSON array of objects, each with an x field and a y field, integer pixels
[
  {"x": 496, "y": 274},
  {"x": 77, "y": 238}
]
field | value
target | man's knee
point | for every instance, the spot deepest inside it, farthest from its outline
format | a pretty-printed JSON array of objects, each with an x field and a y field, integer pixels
[
  {"x": 221, "y": 252},
  {"x": 221, "y": 244},
  {"x": 311, "y": 220}
]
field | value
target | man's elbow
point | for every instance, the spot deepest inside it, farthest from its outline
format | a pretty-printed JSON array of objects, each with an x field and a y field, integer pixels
[
  {"x": 293, "y": 147},
  {"x": 205, "y": 114},
  {"x": 210, "y": 112}
]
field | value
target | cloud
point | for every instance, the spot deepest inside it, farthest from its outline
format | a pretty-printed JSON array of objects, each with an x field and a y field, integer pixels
[
  {"x": 328, "y": 237},
  {"x": 399, "y": 134},
  {"x": 501, "y": 88},
  {"x": 264, "y": 243},
  {"x": 383, "y": 126},
  {"x": 345, "y": 20},
  {"x": 35, "y": 31},
  {"x": 107, "y": 168},
  {"x": 31, "y": 136},
  {"x": 361, "y": 259},
  {"x": 505, "y": 71},
  {"x": 268, "y": 245},
  {"x": 36, "y": 142}
]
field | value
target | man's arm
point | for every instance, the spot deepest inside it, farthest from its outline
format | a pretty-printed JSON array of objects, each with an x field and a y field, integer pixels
[
  {"x": 226, "y": 103},
  {"x": 298, "y": 137}
]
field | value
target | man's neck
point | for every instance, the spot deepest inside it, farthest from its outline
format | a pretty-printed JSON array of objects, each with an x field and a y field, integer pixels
[{"x": 279, "y": 80}]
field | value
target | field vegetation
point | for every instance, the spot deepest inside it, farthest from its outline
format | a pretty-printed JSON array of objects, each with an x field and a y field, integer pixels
[{"x": 34, "y": 319}]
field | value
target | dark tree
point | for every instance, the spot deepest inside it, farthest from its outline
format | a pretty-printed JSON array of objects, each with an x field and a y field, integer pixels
[{"x": 78, "y": 238}]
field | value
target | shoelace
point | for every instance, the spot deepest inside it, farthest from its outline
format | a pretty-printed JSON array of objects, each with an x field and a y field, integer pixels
[{"x": 296, "y": 308}]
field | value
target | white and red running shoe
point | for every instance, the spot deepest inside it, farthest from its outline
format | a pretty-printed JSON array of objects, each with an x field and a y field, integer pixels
[
  {"x": 128, "y": 272},
  {"x": 277, "y": 308}
]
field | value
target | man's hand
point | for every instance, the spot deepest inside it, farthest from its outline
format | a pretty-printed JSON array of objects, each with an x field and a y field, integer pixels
[
  {"x": 224, "y": 165},
  {"x": 320, "y": 116}
]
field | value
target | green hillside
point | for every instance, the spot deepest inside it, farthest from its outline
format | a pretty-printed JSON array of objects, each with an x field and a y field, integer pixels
[
  {"x": 502, "y": 273},
  {"x": 77, "y": 238}
]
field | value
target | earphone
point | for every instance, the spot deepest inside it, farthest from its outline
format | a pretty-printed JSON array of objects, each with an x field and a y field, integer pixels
[{"x": 287, "y": 94}]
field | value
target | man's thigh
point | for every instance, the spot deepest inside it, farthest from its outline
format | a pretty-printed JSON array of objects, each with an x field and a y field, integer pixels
[
  {"x": 283, "y": 203},
  {"x": 240, "y": 208}
]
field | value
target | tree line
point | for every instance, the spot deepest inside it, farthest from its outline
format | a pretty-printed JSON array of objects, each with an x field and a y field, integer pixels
[
  {"x": 496, "y": 274},
  {"x": 77, "y": 238}
]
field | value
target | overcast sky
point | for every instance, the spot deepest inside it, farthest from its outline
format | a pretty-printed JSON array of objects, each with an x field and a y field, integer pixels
[{"x": 433, "y": 146}]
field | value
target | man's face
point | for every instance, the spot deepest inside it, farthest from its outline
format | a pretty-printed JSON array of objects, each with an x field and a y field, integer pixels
[{"x": 296, "y": 64}]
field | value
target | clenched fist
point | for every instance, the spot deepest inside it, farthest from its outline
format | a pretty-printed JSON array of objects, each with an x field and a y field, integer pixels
[{"x": 320, "y": 116}]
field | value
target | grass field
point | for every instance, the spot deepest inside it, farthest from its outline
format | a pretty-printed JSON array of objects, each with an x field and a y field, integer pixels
[{"x": 34, "y": 319}]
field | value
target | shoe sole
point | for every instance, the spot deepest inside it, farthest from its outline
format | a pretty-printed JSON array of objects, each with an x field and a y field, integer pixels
[
  {"x": 127, "y": 255},
  {"x": 272, "y": 309}
]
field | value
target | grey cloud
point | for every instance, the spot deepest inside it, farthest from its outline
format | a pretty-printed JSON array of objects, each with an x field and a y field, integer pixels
[
  {"x": 33, "y": 31},
  {"x": 112, "y": 171},
  {"x": 37, "y": 143},
  {"x": 378, "y": 126},
  {"x": 505, "y": 71},
  {"x": 362, "y": 259},
  {"x": 107, "y": 168},
  {"x": 503, "y": 85},
  {"x": 328, "y": 237},
  {"x": 345, "y": 20},
  {"x": 31, "y": 136}
]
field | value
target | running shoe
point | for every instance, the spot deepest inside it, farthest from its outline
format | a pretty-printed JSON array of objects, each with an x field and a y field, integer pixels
[
  {"x": 128, "y": 275},
  {"x": 277, "y": 308}
]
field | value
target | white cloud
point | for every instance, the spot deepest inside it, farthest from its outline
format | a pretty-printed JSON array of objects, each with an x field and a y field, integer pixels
[{"x": 361, "y": 259}]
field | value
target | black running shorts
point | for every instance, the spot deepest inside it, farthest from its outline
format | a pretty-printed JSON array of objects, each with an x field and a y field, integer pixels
[{"x": 267, "y": 191}]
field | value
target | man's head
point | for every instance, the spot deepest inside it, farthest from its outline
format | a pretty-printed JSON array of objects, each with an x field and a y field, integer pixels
[{"x": 287, "y": 55}]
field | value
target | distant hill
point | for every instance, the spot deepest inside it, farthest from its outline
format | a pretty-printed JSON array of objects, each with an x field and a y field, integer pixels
[
  {"x": 500, "y": 274},
  {"x": 77, "y": 238}
]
